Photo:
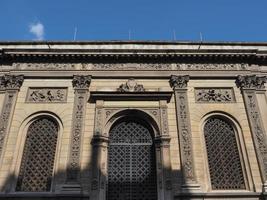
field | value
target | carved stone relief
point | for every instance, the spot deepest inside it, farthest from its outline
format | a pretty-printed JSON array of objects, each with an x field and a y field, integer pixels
[
  {"x": 179, "y": 84},
  {"x": 251, "y": 82},
  {"x": 127, "y": 66},
  {"x": 81, "y": 85},
  {"x": 11, "y": 84},
  {"x": 131, "y": 86},
  {"x": 214, "y": 95},
  {"x": 47, "y": 95},
  {"x": 249, "y": 85}
]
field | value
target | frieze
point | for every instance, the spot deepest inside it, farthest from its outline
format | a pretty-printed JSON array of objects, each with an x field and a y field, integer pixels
[
  {"x": 131, "y": 86},
  {"x": 128, "y": 66},
  {"x": 47, "y": 95},
  {"x": 214, "y": 95}
]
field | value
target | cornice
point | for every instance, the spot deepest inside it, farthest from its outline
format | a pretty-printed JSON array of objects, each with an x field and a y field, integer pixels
[{"x": 144, "y": 54}]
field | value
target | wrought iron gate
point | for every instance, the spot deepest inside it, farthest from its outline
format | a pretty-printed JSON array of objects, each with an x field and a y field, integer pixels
[{"x": 131, "y": 163}]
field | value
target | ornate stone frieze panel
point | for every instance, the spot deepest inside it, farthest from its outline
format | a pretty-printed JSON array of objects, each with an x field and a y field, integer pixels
[
  {"x": 131, "y": 86},
  {"x": 11, "y": 84},
  {"x": 214, "y": 95},
  {"x": 47, "y": 95},
  {"x": 81, "y": 85},
  {"x": 213, "y": 66},
  {"x": 127, "y": 66},
  {"x": 179, "y": 84},
  {"x": 249, "y": 85}
]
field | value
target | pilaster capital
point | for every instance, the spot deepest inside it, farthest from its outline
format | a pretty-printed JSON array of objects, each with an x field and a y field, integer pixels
[
  {"x": 179, "y": 82},
  {"x": 11, "y": 82},
  {"x": 81, "y": 81},
  {"x": 251, "y": 82}
]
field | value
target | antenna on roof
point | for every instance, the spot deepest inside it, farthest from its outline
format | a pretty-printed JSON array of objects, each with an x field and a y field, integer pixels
[
  {"x": 201, "y": 40},
  {"x": 75, "y": 33},
  {"x": 129, "y": 34},
  {"x": 174, "y": 35}
]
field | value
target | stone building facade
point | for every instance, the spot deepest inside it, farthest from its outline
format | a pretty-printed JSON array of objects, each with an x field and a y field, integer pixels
[{"x": 133, "y": 120}]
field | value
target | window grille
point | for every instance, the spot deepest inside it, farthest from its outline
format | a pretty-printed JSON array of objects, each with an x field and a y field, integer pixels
[
  {"x": 223, "y": 155},
  {"x": 38, "y": 156},
  {"x": 131, "y": 163}
]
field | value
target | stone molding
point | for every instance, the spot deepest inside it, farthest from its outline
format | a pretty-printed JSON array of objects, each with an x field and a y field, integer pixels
[
  {"x": 179, "y": 84},
  {"x": 214, "y": 95},
  {"x": 127, "y": 66}
]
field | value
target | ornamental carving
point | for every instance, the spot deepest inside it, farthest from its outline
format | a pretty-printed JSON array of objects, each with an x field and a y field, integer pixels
[
  {"x": 11, "y": 82},
  {"x": 81, "y": 82},
  {"x": 214, "y": 95},
  {"x": 5, "y": 116},
  {"x": 47, "y": 95},
  {"x": 127, "y": 66},
  {"x": 257, "y": 129},
  {"x": 179, "y": 82},
  {"x": 131, "y": 86},
  {"x": 251, "y": 82}
]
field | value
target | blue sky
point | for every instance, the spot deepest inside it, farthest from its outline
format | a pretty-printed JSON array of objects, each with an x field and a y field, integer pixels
[{"x": 217, "y": 20}]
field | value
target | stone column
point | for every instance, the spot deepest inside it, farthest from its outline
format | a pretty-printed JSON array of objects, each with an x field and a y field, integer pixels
[
  {"x": 81, "y": 87},
  {"x": 179, "y": 85},
  {"x": 162, "y": 144},
  {"x": 11, "y": 84},
  {"x": 249, "y": 86},
  {"x": 99, "y": 156}
]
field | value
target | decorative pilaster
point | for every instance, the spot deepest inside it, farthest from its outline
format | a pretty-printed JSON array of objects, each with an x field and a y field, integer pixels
[
  {"x": 11, "y": 84},
  {"x": 249, "y": 86},
  {"x": 179, "y": 85},
  {"x": 81, "y": 87}
]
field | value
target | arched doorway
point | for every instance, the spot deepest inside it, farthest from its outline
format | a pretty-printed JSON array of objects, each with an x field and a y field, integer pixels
[{"x": 131, "y": 161}]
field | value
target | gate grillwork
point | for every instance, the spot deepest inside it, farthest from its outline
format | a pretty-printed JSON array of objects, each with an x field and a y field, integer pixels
[
  {"x": 38, "y": 156},
  {"x": 223, "y": 155},
  {"x": 131, "y": 163}
]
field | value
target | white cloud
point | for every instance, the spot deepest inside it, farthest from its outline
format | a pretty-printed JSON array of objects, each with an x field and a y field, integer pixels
[{"x": 37, "y": 29}]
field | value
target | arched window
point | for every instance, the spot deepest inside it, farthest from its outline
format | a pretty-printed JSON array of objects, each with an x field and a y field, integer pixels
[
  {"x": 223, "y": 155},
  {"x": 38, "y": 156}
]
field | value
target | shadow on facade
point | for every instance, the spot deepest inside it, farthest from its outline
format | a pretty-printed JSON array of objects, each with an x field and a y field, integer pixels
[{"x": 92, "y": 185}]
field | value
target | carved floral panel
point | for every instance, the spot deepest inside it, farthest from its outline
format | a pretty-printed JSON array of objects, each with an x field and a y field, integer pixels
[
  {"x": 47, "y": 95},
  {"x": 214, "y": 95}
]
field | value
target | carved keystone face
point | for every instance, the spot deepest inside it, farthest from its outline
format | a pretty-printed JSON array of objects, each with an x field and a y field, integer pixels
[{"x": 131, "y": 84}]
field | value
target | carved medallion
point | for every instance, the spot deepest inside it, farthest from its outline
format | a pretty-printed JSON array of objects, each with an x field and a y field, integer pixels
[{"x": 131, "y": 86}]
